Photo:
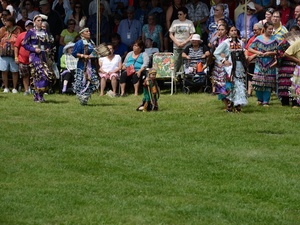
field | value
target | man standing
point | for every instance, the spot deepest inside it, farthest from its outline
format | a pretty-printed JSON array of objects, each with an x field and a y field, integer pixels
[
  {"x": 279, "y": 30},
  {"x": 130, "y": 29},
  {"x": 293, "y": 22},
  {"x": 181, "y": 32}
]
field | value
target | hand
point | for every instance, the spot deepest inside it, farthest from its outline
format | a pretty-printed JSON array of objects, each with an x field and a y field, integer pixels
[
  {"x": 227, "y": 63},
  {"x": 38, "y": 50}
]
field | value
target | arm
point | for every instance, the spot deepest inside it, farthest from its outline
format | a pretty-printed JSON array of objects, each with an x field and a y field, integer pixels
[
  {"x": 61, "y": 41},
  {"x": 168, "y": 17},
  {"x": 292, "y": 58}
]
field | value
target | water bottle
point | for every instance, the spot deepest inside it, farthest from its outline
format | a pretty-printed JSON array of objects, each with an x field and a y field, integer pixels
[{"x": 199, "y": 67}]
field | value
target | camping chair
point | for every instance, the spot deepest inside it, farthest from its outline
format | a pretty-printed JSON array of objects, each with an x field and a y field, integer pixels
[{"x": 163, "y": 62}]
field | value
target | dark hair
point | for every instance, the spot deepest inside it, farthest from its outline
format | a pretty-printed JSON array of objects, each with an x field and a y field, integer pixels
[
  {"x": 116, "y": 36},
  {"x": 81, "y": 14},
  {"x": 140, "y": 43},
  {"x": 71, "y": 20},
  {"x": 7, "y": 11},
  {"x": 11, "y": 19},
  {"x": 183, "y": 9},
  {"x": 267, "y": 24},
  {"x": 277, "y": 11},
  {"x": 295, "y": 27}
]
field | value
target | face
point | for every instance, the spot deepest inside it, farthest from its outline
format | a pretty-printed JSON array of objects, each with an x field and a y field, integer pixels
[
  {"x": 24, "y": 13},
  {"x": 233, "y": 32},
  {"x": 151, "y": 20},
  {"x": 77, "y": 7},
  {"x": 38, "y": 22},
  {"x": 71, "y": 24},
  {"x": 268, "y": 16},
  {"x": 111, "y": 49},
  {"x": 115, "y": 41},
  {"x": 218, "y": 11},
  {"x": 249, "y": 11},
  {"x": 86, "y": 34},
  {"x": 130, "y": 15},
  {"x": 256, "y": 30},
  {"x": 70, "y": 50},
  {"x": 269, "y": 30},
  {"x": 28, "y": 5},
  {"x": 181, "y": 16},
  {"x": 275, "y": 18},
  {"x": 44, "y": 8},
  {"x": 148, "y": 43},
  {"x": 152, "y": 75},
  {"x": 136, "y": 48},
  {"x": 221, "y": 31},
  {"x": 297, "y": 11},
  {"x": 43, "y": 26}
]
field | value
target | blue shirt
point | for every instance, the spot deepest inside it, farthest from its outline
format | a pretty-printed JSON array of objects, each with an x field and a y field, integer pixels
[{"x": 130, "y": 31}]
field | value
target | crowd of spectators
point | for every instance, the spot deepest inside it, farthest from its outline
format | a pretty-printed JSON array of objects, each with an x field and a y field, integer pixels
[{"x": 157, "y": 22}]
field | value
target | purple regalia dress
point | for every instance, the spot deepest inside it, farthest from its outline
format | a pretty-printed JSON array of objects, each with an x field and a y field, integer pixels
[{"x": 42, "y": 76}]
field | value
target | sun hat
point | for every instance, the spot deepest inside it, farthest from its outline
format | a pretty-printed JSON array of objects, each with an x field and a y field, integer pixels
[
  {"x": 67, "y": 46},
  {"x": 28, "y": 22},
  {"x": 196, "y": 37},
  {"x": 251, "y": 6},
  {"x": 152, "y": 71}
]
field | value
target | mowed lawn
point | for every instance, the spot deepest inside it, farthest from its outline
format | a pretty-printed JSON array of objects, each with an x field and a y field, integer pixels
[{"x": 188, "y": 163}]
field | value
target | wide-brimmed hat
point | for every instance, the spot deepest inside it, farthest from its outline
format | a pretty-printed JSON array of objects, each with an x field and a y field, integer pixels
[
  {"x": 196, "y": 37},
  {"x": 67, "y": 46},
  {"x": 251, "y": 6},
  {"x": 152, "y": 71}
]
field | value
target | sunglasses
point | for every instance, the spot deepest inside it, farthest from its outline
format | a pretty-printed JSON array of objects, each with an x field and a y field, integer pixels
[{"x": 180, "y": 14}]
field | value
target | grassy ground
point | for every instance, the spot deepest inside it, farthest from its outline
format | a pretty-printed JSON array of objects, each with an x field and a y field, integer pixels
[{"x": 188, "y": 163}]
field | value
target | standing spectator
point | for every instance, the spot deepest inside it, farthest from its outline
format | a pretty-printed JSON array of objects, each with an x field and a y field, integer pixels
[
  {"x": 118, "y": 6},
  {"x": 21, "y": 22},
  {"x": 251, "y": 19},
  {"x": 181, "y": 32},
  {"x": 212, "y": 22},
  {"x": 264, "y": 79},
  {"x": 54, "y": 20},
  {"x": 268, "y": 16},
  {"x": 110, "y": 66},
  {"x": 6, "y": 4},
  {"x": 153, "y": 31},
  {"x": 142, "y": 11},
  {"x": 79, "y": 17},
  {"x": 22, "y": 57},
  {"x": 36, "y": 41},
  {"x": 62, "y": 7},
  {"x": 130, "y": 29},
  {"x": 264, "y": 5},
  {"x": 251, "y": 58},
  {"x": 293, "y": 22},
  {"x": 171, "y": 15},
  {"x": 93, "y": 8},
  {"x": 8, "y": 36},
  {"x": 104, "y": 26},
  {"x": 30, "y": 10},
  {"x": 286, "y": 11},
  {"x": 279, "y": 29},
  {"x": 198, "y": 13}
]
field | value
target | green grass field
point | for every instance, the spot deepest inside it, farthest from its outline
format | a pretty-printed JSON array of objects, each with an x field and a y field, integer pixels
[{"x": 188, "y": 163}]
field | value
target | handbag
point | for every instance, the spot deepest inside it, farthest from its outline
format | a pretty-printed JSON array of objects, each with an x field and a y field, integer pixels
[{"x": 130, "y": 69}]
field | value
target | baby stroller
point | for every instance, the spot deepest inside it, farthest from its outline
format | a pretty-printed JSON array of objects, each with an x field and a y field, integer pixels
[{"x": 193, "y": 79}]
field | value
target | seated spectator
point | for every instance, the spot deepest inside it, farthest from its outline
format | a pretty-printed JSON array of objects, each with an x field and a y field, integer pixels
[
  {"x": 196, "y": 50},
  {"x": 110, "y": 66},
  {"x": 150, "y": 49},
  {"x": 67, "y": 35},
  {"x": 214, "y": 5},
  {"x": 140, "y": 60},
  {"x": 119, "y": 48},
  {"x": 68, "y": 64},
  {"x": 153, "y": 31}
]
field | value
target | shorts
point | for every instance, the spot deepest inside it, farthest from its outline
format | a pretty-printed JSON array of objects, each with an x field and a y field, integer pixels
[
  {"x": 8, "y": 64},
  {"x": 24, "y": 70},
  {"x": 106, "y": 76}
]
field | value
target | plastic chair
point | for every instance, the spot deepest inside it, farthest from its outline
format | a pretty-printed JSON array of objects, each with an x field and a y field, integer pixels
[{"x": 163, "y": 62}]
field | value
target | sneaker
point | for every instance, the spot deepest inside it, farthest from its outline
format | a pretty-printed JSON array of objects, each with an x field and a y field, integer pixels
[
  {"x": 26, "y": 93},
  {"x": 14, "y": 91},
  {"x": 6, "y": 90}
]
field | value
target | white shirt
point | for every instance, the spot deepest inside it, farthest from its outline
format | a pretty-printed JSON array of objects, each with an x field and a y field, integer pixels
[{"x": 110, "y": 65}]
